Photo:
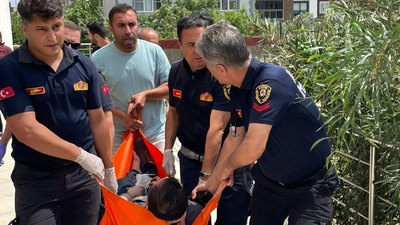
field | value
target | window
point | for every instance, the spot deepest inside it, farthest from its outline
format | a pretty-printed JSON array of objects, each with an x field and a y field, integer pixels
[
  {"x": 270, "y": 9},
  {"x": 323, "y": 7},
  {"x": 299, "y": 7},
  {"x": 143, "y": 5},
  {"x": 228, "y": 4}
]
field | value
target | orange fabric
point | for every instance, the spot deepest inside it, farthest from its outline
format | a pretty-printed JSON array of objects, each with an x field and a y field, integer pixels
[
  {"x": 204, "y": 216},
  {"x": 123, "y": 156},
  {"x": 122, "y": 212}
]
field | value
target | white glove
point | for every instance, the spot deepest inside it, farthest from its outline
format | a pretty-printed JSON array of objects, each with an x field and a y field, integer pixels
[
  {"x": 91, "y": 163},
  {"x": 201, "y": 181},
  {"x": 110, "y": 180},
  {"x": 168, "y": 162},
  {"x": 142, "y": 180},
  {"x": 2, "y": 150}
]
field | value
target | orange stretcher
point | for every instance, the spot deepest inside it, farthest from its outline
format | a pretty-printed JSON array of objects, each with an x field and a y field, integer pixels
[{"x": 118, "y": 211}]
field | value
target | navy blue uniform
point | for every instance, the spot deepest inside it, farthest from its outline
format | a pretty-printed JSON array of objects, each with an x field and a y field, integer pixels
[
  {"x": 270, "y": 95},
  {"x": 194, "y": 96},
  {"x": 48, "y": 188}
]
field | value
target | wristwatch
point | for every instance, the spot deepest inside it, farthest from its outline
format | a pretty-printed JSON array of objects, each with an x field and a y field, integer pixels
[{"x": 206, "y": 175}]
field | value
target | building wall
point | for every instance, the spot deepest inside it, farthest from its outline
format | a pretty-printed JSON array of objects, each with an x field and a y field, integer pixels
[{"x": 5, "y": 22}]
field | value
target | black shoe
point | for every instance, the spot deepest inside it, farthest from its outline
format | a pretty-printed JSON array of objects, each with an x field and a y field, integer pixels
[{"x": 146, "y": 160}]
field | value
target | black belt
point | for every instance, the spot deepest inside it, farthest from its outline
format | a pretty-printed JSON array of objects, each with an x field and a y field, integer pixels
[
  {"x": 191, "y": 154},
  {"x": 317, "y": 176}
]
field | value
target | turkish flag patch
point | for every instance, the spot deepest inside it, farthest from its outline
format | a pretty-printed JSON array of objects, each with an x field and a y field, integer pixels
[
  {"x": 6, "y": 93},
  {"x": 260, "y": 108},
  {"x": 105, "y": 89}
]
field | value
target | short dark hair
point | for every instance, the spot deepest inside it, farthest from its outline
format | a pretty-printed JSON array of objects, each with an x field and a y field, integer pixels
[
  {"x": 197, "y": 19},
  {"x": 97, "y": 27},
  {"x": 71, "y": 25},
  {"x": 41, "y": 9},
  {"x": 167, "y": 200},
  {"x": 120, "y": 8}
]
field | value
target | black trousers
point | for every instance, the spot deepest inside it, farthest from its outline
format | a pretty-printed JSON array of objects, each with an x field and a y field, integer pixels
[
  {"x": 66, "y": 195},
  {"x": 233, "y": 207},
  {"x": 306, "y": 204}
]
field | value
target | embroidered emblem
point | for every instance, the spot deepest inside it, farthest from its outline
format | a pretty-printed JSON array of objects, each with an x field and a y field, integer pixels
[
  {"x": 81, "y": 86},
  {"x": 177, "y": 93},
  {"x": 105, "y": 89},
  {"x": 262, "y": 93},
  {"x": 206, "y": 97},
  {"x": 6, "y": 93},
  {"x": 260, "y": 108},
  {"x": 227, "y": 91},
  {"x": 36, "y": 90},
  {"x": 239, "y": 112}
]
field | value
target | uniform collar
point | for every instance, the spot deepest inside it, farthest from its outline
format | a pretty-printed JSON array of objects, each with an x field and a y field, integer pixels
[
  {"x": 250, "y": 74},
  {"x": 25, "y": 56},
  {"x": 187, "y": 67}
]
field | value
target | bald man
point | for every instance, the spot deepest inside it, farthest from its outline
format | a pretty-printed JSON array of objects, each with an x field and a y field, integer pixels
[{"x": 148, "y": 34}]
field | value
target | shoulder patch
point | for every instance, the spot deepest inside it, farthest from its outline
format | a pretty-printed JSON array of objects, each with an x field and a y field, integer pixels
[
  {"x": 262, "y": 93},
  {"x": 81, "y": 86},
  {"x": 105, "y": 89},
  {"x": 177, "y": 93},
  {"x": 6, "y": 93},
  {"x": 227, "y": 91}
]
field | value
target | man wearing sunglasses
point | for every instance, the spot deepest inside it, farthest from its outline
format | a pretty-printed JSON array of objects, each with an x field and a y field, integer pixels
[{"x": 72, "y": 35}]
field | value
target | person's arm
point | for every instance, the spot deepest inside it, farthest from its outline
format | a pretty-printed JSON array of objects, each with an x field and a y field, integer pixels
[
  {"x": 130, "y": 122},
  {"x": 139, "y": 99},
  {"x": 110, "y": 122},
  {"x": 33, "y": 134},
  {"x": 171, "y": 128},
  {"x": 6, "y": 135},
  {"x": 218, "y": 123},
  {"x": 252, "y": 147},
  {"x": 99, "y": 127}
]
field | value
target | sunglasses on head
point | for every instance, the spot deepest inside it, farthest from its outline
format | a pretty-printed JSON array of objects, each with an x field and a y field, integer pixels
[{"x": 74, "y": 45}]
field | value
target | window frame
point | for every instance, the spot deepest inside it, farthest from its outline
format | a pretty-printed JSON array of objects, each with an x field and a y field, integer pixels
[
  {"x": 275, "y": 10},
  {"x": 301, "y": 11}
]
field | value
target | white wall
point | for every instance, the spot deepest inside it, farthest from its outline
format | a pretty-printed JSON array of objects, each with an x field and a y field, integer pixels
[{"x": 5, "y": 23}]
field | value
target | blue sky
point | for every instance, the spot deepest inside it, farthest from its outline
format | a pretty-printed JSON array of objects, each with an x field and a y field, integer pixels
[{"x": 13, "y": 2}]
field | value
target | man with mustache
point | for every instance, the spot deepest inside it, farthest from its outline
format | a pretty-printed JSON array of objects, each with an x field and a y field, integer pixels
[{"x": 136, "y": 72}]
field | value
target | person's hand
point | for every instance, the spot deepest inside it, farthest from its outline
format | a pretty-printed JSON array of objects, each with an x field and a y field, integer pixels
[
  {"x": 110, "y": 180},
  {"x": 154, "y": 180},
  {"x": 211, "y": 185},
  {"x": 138, "y": 100},
  {"x": 168, "y": 162},
  {"x": 93, "y": 164},
  {"x": 131, "y": 122},
  {"x": 3, "y": 148}
]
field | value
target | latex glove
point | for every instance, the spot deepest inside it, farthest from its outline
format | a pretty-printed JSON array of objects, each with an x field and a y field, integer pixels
[
  {"x": 201, "y": 181},
  {"x": 2, "y": 150},
  {"x": 142, "y": 180},
  {"x": 168, "y": 162},
  {"x": 110, "y": 180},
  {"x": 91, "y": 163}
]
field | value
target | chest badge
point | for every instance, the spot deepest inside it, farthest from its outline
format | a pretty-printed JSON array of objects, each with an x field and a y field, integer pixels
[
  {"x": 177, "y": 93},
  {"x": 206, "y": 97},
  {"x": 81, "y": 86},
  {"x": 227, "y": 91},
  {"x": 239, "y": 112},
  {"x": 36, "y": 90},
  {"x": 262, "y": 93}
]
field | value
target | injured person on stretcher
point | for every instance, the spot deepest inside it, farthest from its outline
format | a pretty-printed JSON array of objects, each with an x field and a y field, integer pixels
[{"x": 165, "y": 198}]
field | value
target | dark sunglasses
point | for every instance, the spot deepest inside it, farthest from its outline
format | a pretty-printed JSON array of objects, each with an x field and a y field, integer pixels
[{"x": 74, "y": 45}]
